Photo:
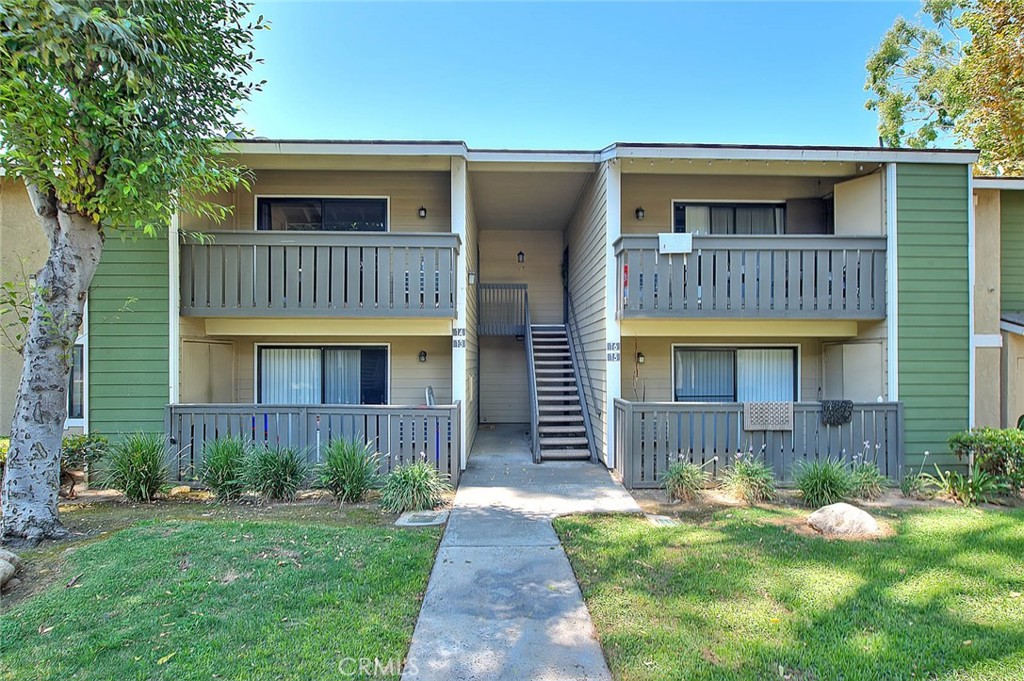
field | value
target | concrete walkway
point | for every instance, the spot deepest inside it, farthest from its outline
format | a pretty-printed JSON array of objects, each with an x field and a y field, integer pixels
[{"x": 502, "y": 602}]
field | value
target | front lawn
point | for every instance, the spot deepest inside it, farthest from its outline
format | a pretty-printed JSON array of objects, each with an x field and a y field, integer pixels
[
  {"x": 741, "y": 595},
  {"x": 228, "y": 599}
]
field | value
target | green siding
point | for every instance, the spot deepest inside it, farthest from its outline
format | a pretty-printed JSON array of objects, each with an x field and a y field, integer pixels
[
  {"x": 128, "y": 339},
  {"x": 934, "y": 331},
  {"x": 1011, "y": 256}
]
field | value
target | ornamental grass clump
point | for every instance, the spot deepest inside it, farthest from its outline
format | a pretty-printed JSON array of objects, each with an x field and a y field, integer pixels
[
  {"x": 683, "y": 480},
  {"x": 868, "y": 482},
  {"x": 275, "y": 472},
  {"x": 137, "y": 466},
  {"x": 824, "y": 482},
  {"x": 223, "y": 470},
  {"x": 749, "y": 478},
  {"x": 413, "y": 487},
  {"x": 349, "y": 469}
]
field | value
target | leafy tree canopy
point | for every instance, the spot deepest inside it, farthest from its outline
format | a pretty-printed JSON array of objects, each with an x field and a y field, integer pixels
[
  {"x": 121, "y": 107},
  {"x": 955, "y": 75}
]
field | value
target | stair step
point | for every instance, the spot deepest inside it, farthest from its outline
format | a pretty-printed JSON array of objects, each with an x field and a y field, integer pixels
[
  {"x": 560, "y": 429},
  {"x": 565, "y": 455},
  {"x": 550, "y": 363},
  {"x": 567, "y": 398},
  {"x": 554, "y": 371},
  {"x": 551, "y": 441},
  {"x": 564, "y": 418},
  {"x": 557, "y": 379},
  {"x": 557, "y": 388},
  {"x": 559, "y": 408}
]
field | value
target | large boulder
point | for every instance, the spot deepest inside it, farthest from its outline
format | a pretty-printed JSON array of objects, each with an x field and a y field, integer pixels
[{"x": 844, "y": 520}]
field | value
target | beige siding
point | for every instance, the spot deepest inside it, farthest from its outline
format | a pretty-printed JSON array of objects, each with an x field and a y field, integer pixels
[
  {"x": 586, "y": 236},
  {"x": 472, "y": 340},
  {"x": 23, "y": 247},
  {"x": 541, "y": 269},
  {"x": 407, "y": 192},
  {"x": 987, "y": 292},
  {"x": 504, "y": 393},
  {"x": 860, "y": 206},
  {"x": 655, "y": 194},
  {"x": 408, "y": 379},
  {"x": 652, "y": 380}
]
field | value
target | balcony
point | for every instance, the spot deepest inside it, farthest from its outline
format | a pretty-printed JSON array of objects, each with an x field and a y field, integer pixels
[
  {"x": 761, "y": 277},
  {"x": 319, "y": 274}
]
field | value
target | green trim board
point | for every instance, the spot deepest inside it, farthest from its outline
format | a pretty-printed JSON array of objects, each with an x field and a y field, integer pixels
[
  {"x": 1011, "y": 246},
  {"x": 932, "y": 225},
  {"x": 128, "y": 337}
]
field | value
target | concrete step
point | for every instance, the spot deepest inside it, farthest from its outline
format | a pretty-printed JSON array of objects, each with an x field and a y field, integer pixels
[
  {"x": 566, "y": 388},
  {"x": 562, "y": 430},
  {"x": 555, "y": 408},
  {"x": 564, "y": 418},
  {"x": 562, "y": 441},
  {"x": 565, "y": 455}
]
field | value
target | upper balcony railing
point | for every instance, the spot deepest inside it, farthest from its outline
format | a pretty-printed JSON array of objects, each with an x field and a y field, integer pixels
[
  {"x": 779, "y": 277},
  {"x": 319, "y": 274}
]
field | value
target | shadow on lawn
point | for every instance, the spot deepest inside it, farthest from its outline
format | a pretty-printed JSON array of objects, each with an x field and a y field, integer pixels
[{"x": 741, "y": 596}]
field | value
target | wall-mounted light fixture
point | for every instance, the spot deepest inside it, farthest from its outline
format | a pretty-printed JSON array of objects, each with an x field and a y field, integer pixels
[
  {"x": 423, "y": 355},
  {"x": 472, "y": 278},
  {"x": 521, "y": 257},
  {"x": 639, "y": 212},
  {"x": 423, "y": 212},
  {"x": 640, "y": 359}
]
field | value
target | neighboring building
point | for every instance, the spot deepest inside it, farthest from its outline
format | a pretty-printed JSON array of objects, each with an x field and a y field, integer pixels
[{"x": 626, "y": 304}]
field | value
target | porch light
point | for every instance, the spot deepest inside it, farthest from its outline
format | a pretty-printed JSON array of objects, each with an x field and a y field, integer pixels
[
  {"x": 640, "y": 359},
  {"x": 639, "y": 212},
  {"x": 423, "y": 212},
  {"x": 423, "y": 356},
  {"x": 521, "y": 257}
]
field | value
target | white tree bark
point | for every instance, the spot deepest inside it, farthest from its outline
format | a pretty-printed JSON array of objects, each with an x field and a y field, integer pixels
[{"x": 32, "y": 476}]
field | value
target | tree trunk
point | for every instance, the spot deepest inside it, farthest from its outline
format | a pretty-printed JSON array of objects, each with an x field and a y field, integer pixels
[{"x": 32, "y": 476}]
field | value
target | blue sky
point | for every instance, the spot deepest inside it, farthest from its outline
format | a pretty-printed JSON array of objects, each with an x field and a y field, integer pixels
[{"x": 570, "y": 75}]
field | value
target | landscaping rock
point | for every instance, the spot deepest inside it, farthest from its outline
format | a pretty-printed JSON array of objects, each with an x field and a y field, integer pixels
[
  {"x": 11, "y": 558},
  {"x": 12, "y": 584},
  {"x": 6, "y": 572},
  {"x": 844, "y": 520}
]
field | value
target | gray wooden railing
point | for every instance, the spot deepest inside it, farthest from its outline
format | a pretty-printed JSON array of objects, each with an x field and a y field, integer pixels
[
  {"x": 650, "y": 436},
  {"x": 327, "y": 274},
  {"x": 791, "y": 277},
  {"x": 501, "y": 309},
  {"x": 402, "y": 434},
  {"x": 531, "y": 378},
  {"x": 583, "y": 377}
]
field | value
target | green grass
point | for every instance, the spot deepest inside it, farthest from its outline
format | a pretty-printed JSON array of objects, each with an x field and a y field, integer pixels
[
  {"x": 228, "y": 599},
  {"x": 742, "y": 595}
]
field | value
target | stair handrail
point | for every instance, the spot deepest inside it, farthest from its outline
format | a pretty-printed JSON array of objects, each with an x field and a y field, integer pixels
[
  {"x": 531, "y": 373},
  {"x": 580, "y": 360}
]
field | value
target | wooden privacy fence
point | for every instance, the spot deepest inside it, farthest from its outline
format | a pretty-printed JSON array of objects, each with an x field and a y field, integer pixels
[
  {"x": 364, "y": 274},
  {"x": 502, "y": 309},
  {"x": 800, "y": 277},
  {"x": 401, "y": 434},
  {"x": 650, "y": 436}
]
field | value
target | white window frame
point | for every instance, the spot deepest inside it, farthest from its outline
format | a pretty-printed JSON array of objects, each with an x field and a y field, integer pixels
[
  {"x": 83, "y": 340},
  {"x": 797, "y": 347},
  {"x": 286, "y": 344},
  {"x": 256, "y": 202}
]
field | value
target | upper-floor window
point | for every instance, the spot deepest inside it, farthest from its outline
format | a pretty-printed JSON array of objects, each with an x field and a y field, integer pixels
[
  {"x": 728, "y": 218},
  {"x": 76, "y": 384},
  {"x": 322, "y": 215}
]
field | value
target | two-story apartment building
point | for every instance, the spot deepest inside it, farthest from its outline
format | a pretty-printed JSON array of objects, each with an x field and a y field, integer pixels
[{"x": 631, "y": 305}]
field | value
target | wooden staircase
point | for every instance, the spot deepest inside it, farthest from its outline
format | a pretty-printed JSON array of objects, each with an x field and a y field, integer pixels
[{"x": 561, "y": 432}]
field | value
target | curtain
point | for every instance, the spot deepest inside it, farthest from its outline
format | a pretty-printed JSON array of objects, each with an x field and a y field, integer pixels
[
  {"x": 342, "y": 376},
  {"x": 290, "y": 376},
  {"x": 765, "y": 375},
  {"x": 756, "y": 220},
  {"x": 704, "y": 375},
  {"x": 698, "y": 219}
]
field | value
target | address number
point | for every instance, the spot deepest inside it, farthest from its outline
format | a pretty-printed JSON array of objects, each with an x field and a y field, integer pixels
[
  {"x": 613, "y": 357},
  {"x": 458, "y": 342}
]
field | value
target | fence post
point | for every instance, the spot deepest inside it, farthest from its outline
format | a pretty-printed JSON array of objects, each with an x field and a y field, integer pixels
[
  {"x": 455, "y": 456},
  {"x": 172, "y": 451}
]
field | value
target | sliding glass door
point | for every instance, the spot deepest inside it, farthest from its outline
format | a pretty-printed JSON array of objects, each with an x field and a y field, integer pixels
[
  {"x": 322, "y": 375},
  {"x": 734, "y": 374}
]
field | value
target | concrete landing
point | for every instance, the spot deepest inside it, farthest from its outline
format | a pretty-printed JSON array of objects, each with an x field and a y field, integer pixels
[{"x": 502, "y": 602}]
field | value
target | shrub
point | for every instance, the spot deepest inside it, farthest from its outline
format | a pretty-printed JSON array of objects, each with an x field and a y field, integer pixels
[
  {"x": 749, "y": 478},
  {"x": 824, "y": 482},
  {"x": 968, "y": 490},
  {"x": 5, "y": 444},
  {"x": 223, "y": 470},
  {"x": 413, "y": 487},
  {"x": 81, "y": 451},
  {"x": 136, "y": 466},
  {"x": 918, "y": 486},
  {"x": 867, "y": 480},
  {"x": 997, "y": 452},
  {"x": 349, "y": 469},
  {"x": 275, "y": 472},
  {"x": 683, "y": 480}
]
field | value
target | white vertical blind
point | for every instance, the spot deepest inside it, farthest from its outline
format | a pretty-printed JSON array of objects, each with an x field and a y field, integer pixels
[
  {"x": 704, "y": 375},
  {"x": 342, "y": 376},
  {"x": 765, "y": 375},
  {"x": 290, "y": 376}
]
